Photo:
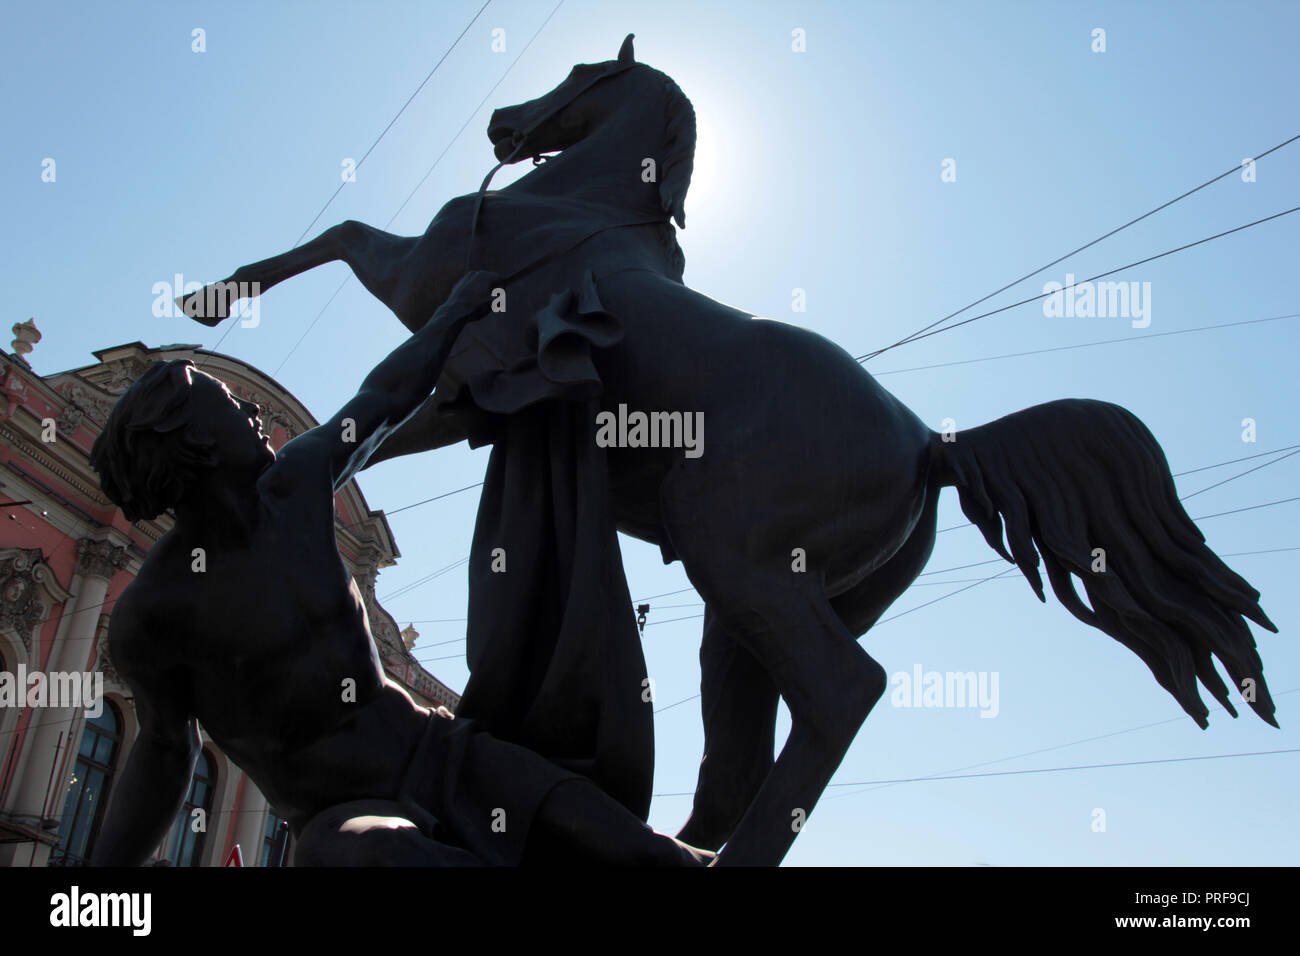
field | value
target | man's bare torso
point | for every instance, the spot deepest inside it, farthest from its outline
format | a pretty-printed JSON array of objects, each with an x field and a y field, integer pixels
[{"x": 271, "y": 648}]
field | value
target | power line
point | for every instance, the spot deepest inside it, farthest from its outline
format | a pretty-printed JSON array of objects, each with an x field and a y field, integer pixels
[
  {"x": 430, "y": 170},
  {"x": 1239, "y": 475},
  {"x": 449, "y": 657},
  {"x": 1090, "y": 766},
  {"x": 934, "y": 584},
  {"x": 1101, "y": 275},
  {"x": 1235, "y": 554},
  {"x": 1177, "y": 474},
  {"x": 445, "y": 494},
  {"x": 943, "y": 597},
  {"x": 1234, "y": 461},
  {"x": 1087, "y": 245},
  {"x": 428, "y": 77},
  {"x": 427, "y": 174},
  {"x": 284, "y": 361},
  {"x": 1220, "y": 464},
  {"x": 665, "y": 594},
  {"x": 977, "y": 583},
  {"x": 962, "y": 567},
  {"x": 1032, "y": 770},
  {"x": 1201, "y": 518},
  {"x": 1072, "y": 743},
  {"x": 407, "y": 588},
  {"x": 693, "y": 617},
  {"x": 1251, "y": 508},
  {"x": 1084, "y": 345},
  {"x": 672, "y": 620},
  {"x": 677, "y": 704},
  {"x": 1242, "y": 554},
  {"x": 454, "y": 640},
  {"x": 396, "y": 116}
]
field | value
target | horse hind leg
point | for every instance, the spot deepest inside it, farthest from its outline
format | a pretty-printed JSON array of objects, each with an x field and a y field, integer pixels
[
  {"x": 738, "y": 704},
  {"x": 861, "y": 606},
  {"x": 829, "y": 683}
]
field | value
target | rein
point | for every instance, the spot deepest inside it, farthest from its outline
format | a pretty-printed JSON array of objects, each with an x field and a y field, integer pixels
[{"x": 519, "y": 139}]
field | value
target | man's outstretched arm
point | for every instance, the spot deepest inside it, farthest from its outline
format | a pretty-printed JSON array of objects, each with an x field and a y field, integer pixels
[
  {"x": 154, "y": 783},
  {"x": 396, "y": 387}
]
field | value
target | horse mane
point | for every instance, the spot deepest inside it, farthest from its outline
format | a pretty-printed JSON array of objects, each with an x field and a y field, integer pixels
[{"x": 679, "y": 155}]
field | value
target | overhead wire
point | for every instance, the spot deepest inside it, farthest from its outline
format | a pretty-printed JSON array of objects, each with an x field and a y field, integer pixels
[
  {"x": 976, "y": 564},
  {"x": 1085, "y": 345},
  {"x": 1073, "y": 285},
  {"x": 378, "y": 138},
  {"x": 395, "y": 118},
  {"x": 942, "y": 597},
  {"x": 1179, "y": 474},
  {"x": 1034, "y": 770},
  {"x": 1029, "y": 275},
  {"x": 348, "y": 278},
  {"x": 1061, "y": 746}
]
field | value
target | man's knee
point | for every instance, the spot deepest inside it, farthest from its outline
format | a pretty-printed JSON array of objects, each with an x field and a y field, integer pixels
[{"x": 372, "y": 833}]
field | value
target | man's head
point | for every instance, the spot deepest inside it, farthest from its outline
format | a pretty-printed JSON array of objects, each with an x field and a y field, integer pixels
[{"x": 173, "y": 427}]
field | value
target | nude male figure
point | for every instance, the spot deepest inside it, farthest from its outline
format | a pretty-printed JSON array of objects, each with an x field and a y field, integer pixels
[{"x": 261, "y": 645}]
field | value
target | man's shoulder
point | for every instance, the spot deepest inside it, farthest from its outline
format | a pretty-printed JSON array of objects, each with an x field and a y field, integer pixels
[
  {"x": 301, "y": 466},
  {"x": 159, "y": 571}
]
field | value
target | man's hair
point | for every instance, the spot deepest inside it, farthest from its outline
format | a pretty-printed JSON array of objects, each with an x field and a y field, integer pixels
[{"x": 151, "y": 447}]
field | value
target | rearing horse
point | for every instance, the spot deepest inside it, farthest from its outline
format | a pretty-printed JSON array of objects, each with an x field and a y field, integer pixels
[{"x": 804, "y": 519}]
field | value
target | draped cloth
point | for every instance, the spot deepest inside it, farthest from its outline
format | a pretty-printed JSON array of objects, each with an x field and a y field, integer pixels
[{"x": 553, "y": 649}]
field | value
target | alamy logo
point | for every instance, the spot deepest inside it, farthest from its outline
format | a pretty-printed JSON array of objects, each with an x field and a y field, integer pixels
[
  {"x": 1098, "y": 300},
  {"x": 75, "y": 908},
  {"x": 653, "y": 430},
  {"x": 946, "y": 689},
  {"x": 231, "y": 298},
  {"x": 56, "y": 689}
]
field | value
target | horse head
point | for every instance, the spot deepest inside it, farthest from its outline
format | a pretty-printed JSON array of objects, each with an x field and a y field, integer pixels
[{"x": 590, "y": 99}]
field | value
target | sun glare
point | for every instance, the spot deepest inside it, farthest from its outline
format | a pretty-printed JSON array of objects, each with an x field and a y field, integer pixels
[{"x": 704, "y": 174}]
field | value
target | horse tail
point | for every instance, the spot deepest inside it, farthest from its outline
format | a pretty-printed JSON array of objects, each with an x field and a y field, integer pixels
[{"x": 1086, "y": 485}]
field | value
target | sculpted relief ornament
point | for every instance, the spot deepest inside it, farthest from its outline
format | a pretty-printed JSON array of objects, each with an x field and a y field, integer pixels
[{"x": 28, "y": 588}]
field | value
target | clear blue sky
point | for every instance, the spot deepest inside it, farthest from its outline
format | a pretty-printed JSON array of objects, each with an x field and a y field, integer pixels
[{"x": 817, "y": 170}]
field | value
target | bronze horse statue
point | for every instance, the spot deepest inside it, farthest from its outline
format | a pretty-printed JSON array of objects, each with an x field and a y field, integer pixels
[{"x": 804, "y": 519}]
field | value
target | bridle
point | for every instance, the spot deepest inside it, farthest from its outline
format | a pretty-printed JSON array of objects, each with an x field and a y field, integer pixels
[{"x": 519, "y": 139}]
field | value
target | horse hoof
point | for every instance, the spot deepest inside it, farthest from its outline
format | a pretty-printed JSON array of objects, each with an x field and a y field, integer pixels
[{"x": 195, "y": 306}]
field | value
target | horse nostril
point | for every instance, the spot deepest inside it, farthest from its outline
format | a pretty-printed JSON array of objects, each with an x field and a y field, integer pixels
[{"x": 499, "y": 131}]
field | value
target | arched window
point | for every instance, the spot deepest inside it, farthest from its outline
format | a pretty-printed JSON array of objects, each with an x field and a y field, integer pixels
[
  {"x": 88, "y": 791},
  {"x": 185, "y": 846}
]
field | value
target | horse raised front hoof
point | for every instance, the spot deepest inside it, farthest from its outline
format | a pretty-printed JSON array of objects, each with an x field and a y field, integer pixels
[{"x": 208, "y": 306}]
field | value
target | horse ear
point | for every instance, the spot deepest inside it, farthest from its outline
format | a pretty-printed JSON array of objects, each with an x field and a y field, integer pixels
[{"x": 625, "y": 51}]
